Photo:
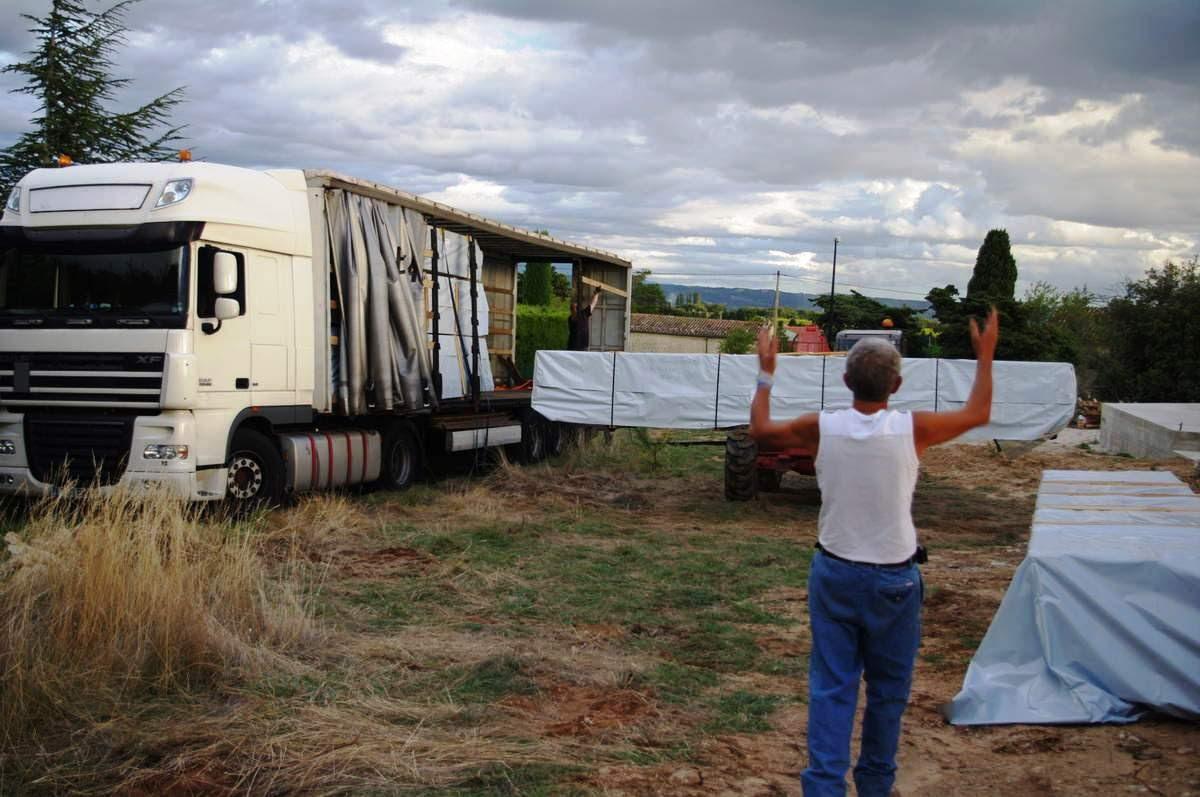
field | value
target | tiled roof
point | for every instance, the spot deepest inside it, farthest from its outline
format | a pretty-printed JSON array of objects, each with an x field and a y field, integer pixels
[{"x": 687, "y": 326}]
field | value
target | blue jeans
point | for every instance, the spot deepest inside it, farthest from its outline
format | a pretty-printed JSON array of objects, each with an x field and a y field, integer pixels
[{"x": 866, "y": 621}]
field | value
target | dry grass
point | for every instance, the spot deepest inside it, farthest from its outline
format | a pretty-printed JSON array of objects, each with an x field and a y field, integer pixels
[
  {"x": 105, "y": 599},
  {"x": 149, "y": 648},
  {"x": 591, "y": 624}
]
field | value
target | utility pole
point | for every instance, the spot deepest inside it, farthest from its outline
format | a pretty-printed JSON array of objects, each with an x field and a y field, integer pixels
[
  {"x": 775, "y": 323},
  {"x": 832, "y": 289}
]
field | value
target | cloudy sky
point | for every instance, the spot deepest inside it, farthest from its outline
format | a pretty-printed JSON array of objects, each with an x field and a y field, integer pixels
[{"x": 723, "y": 141}]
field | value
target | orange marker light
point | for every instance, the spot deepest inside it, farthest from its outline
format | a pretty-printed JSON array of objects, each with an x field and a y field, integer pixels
[
  {"x": 887, "y": 323},
  {"x": 185, "y": 155},
  {"x": 65, "y": 160}
]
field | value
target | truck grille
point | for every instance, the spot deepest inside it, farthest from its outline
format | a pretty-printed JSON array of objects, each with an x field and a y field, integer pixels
[
  {"x": 85, "y": 449},
  {"x": 81, "y": 379}
]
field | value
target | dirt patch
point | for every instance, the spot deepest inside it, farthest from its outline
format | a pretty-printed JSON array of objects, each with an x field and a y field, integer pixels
[
  {"x": 567, "y": 710},
  {"x": 1033, "y": 741},
  {"x": 395, "y": 561}
]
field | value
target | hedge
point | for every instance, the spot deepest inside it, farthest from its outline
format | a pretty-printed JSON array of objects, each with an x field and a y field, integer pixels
[{"x": 539, "y": 328}]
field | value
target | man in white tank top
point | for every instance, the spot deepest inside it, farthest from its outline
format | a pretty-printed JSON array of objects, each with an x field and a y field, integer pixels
[{"x": 864, "y": 589}]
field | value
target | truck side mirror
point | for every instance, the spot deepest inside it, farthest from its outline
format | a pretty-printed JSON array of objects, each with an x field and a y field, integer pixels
[
  {"x": 225, "y": 308},
  {"x": 225, "y": 274}
]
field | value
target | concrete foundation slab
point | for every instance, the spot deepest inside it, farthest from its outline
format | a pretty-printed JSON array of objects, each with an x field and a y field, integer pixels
[{"x": 1150, "y": 431}]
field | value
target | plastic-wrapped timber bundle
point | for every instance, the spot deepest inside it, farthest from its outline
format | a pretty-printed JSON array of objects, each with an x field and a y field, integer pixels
[{"x": 381, "y": 348}]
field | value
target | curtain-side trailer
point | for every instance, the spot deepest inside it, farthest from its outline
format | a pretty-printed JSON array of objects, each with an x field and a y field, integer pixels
[{"x": 241, "y": 334}]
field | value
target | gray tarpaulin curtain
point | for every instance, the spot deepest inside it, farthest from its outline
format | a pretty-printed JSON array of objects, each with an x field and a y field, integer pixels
[{"x": 383, "y": 360}]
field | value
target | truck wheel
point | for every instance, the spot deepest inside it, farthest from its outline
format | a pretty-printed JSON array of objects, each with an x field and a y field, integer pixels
[
  {"x": 769, "y": 480},
  {"x": 401, "y": 457},
  {"x": 741, "y": 466},
  {"x": 255, "y": 473}
]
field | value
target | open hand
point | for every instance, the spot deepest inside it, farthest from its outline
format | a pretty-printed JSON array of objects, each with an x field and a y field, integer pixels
[
  {"x": 768, "y": 346},
  {"x": 984, "y": 342}
]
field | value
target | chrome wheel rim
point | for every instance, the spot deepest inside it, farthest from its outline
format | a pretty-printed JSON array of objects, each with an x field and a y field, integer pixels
[{"x": 245, "y": 477}]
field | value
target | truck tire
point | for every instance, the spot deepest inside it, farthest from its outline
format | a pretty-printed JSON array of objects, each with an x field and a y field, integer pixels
[
  {"x": 255, "y": 477},
  {"x": 401, "y": 455},
  {"x": 769, "y": 480},
  {"x": 741, "y": 466}
]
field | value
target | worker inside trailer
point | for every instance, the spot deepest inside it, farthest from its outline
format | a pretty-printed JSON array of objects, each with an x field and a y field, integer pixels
[{"x": 579, "y": 324}]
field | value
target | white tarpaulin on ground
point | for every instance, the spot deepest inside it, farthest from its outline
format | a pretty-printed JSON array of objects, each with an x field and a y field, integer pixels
[
  {"x": 1100, "y": 623},
  {"x": 698, "y": 391}
]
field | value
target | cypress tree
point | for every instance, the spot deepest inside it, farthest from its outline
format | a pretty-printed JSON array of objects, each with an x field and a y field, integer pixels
[
  {"x": 69, "y": 72},
  {"x": 537, "y": 283},
  {"x": 995, "y": 274}
]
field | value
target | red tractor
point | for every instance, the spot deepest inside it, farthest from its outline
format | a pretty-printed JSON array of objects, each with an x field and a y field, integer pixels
[{"x": 748, "y": 470}]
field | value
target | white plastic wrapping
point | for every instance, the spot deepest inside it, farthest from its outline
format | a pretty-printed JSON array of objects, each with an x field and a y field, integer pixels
[
  {"x": 698, "y": 391},
  {"x": 454, "y": 322},
  {"x": 1099, "y": 623}
]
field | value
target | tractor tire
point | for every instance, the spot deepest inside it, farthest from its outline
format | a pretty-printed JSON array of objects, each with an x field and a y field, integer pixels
[
  {"x": 769, "y": 480},
  {"x": 255, "y": 479},
  {"x": 741, "y": 466},
  {"x": 401, "y": 455}
]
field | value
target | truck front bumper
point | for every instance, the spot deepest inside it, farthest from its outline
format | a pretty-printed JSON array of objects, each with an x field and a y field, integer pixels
[{"x": 179, "y": 477}]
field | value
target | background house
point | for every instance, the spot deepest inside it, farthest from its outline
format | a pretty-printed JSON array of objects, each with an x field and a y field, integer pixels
[
  {"x": 681, "y": 334},
  {"x": 693, "y": 335}
]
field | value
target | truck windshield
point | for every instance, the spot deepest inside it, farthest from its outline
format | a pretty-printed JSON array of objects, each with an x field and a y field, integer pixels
[{"x": 46, "y": 288}]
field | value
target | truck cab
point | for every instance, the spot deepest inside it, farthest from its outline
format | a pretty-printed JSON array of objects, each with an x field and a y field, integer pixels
[{"x": 152, "y": 313}]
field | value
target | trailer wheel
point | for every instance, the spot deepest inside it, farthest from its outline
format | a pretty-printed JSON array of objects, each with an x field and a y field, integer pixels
[
  {"x": 741, "y": 466},
  {"x": 769, "y": 480},
  {"x": 556, "y": 442},
  {"x": 255, "y": 477},
  {"x": 401, "y": 457},
  {"x": 533, "y": 439}
]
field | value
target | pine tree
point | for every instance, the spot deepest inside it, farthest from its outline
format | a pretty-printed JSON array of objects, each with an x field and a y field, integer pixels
[
  {"x": 69, "y": 71},
  {"x": 995, "y": 275}
]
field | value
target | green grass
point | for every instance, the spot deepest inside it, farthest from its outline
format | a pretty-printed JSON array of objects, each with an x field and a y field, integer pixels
[
  {"x": 527, "y": 780},
  {"x": 490, "y": 680},
  {"x": 679, "y": 683},
  {"x": 743, "y": 712}
]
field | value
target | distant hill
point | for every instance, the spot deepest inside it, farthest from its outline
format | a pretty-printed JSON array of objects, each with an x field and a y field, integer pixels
[{"x": 764, "y": 297}]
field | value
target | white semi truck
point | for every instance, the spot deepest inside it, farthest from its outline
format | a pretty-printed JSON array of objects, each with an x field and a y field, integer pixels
[{"x": 240, "y": 334}]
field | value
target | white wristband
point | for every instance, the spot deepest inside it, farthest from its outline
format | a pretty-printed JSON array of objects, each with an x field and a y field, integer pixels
[{"x": 766, "y": 380}]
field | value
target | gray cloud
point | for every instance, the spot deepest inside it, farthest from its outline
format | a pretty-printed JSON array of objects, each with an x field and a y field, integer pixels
[{"x": 700, "y": 138}]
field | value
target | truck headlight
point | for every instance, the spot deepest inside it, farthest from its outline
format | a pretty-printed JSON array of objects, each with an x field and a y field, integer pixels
[
  {"x": 8, "y": 447},
  {"x": 14, "y": 200},
  {"x": 159, "y": 451},
  {"x": 174, "y": 191}
]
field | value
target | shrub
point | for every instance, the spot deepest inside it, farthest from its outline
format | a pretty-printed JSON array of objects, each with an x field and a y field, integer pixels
[
  {"x": 739, "y": 341},
  {"x": 539, "y": 328}
]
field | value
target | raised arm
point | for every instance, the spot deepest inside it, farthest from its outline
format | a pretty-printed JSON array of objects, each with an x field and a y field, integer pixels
[
  {"x": 802, "y": 432},
  {"x": 595, "y": 300},
  {"x": 931, "y": 428}
]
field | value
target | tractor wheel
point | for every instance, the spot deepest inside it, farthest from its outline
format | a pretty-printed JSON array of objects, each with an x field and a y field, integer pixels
[
  {"x": 769, "y": 480},
  {"x": 741, "y": 468}
]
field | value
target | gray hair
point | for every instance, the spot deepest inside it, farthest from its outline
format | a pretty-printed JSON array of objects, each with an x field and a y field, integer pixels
[{"x": 872, "y": 367}]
